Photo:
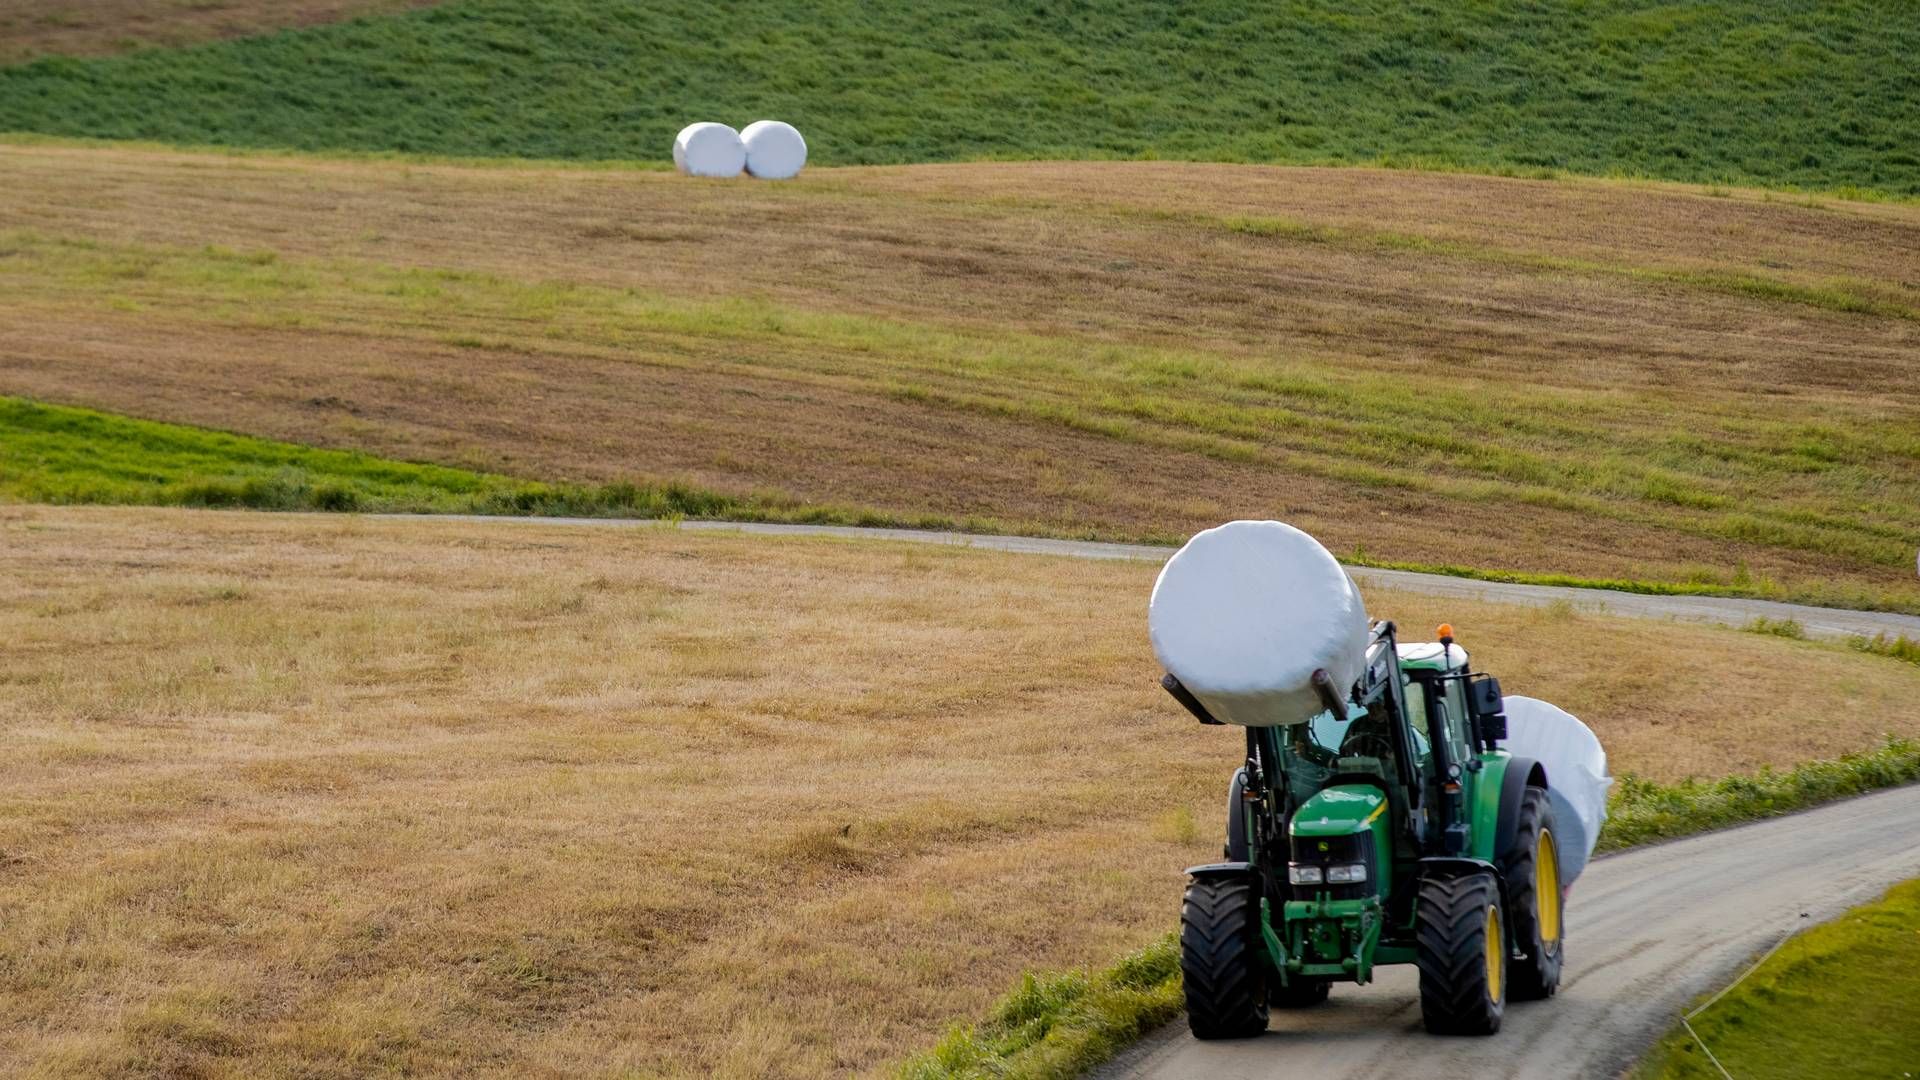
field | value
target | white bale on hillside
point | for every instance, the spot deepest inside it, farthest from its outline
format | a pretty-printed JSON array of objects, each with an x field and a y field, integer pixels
[
  {"x": 775, "y": 150},
  {"x": 1577, "y": 779},
  {"x": 1245, "y": 613},
  {"x": 707, "y": 149}
]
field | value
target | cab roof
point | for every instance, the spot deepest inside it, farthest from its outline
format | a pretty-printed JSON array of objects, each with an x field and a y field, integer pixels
[{"x": 1427, "y": 656}]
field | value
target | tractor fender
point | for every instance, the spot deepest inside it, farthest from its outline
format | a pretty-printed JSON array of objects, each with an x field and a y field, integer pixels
[
  {"x": 1522, "y": 773},
  {"x": 1452, "y": 866},
  {"x": 1238, "y": 848},
  {"x": 1442, "y": 866},
  {"x": 1210, "y": 871}
]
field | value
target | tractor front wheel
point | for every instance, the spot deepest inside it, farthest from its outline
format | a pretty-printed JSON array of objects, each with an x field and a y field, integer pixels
[
  {"x": 1222, "y": 960},
  {"x": 1462, "y": 954},
  {"x": 1533, "y": 882}
]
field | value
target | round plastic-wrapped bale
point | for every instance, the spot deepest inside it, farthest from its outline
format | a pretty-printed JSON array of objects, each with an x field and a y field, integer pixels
[
  {"x": 1577, "y": 779},
  {"x": 1245, "y": 613},
  {"x": 707, "y": 149},
  {"x": 775, "y": 150}
]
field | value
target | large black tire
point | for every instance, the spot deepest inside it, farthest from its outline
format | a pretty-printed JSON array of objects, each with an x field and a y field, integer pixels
[
  {"x": 1222, "y": 961},
  {"x": 1461, "y": 954},
  {"x": 1533, "y": 889},
  {"x": 1301, "y": 993}
]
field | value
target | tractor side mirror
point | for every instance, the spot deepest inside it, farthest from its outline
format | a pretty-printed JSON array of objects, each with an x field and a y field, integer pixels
[
  {"x": 1484, "y": 697},
  {"x": 1488, "y": 708}
]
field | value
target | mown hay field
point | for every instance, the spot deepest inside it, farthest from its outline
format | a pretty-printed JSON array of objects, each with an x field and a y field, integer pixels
[
  {"x": 1602, "y": 380},
  {"x": 307, "y": 795}
]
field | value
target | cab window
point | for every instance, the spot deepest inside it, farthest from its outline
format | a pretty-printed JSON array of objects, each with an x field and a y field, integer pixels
[
  {"x": 1416, "y": 697},
  {"x": 1454, "y": 693}
]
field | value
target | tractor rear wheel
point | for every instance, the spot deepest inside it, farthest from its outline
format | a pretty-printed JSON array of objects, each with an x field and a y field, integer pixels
[
  {"x": 1462, "y": 954},
  {"x": 1533, "y": 888},
  {"x": 1222, "y": 960}
]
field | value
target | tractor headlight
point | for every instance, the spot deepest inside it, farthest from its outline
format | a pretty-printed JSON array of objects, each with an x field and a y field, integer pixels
[
  {"x": 1303, "y": 875},
  {"x": 1347, "y": 875}
]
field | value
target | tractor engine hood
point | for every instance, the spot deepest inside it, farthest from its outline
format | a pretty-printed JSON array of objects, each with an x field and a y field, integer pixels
[{"x": 1339, "y": 811}]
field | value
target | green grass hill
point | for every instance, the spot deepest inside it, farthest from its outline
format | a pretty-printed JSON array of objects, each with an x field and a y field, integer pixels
[{"x": 1822, "y": 95}]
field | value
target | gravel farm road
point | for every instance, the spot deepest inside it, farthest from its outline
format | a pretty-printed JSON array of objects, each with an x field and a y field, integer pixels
[
  {"x": 1647, "y": 931},
  {"x": 1732, "y": 611}
]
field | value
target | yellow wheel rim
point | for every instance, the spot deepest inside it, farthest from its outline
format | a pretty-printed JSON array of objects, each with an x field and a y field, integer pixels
[
  {"x": 1496, "y": 954},
  {"x": 1546, "y": 887}
]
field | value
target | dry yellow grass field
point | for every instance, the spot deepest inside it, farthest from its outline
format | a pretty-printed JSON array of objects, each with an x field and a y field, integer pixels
[
  {"x": 330, "y": 796},
  {"x": 1579, "y": 377}
]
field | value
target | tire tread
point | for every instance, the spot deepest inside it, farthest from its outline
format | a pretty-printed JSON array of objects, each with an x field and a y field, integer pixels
[
  {"x": 1450, "y": 935},
  {"x": 1538, "y": 975},
  {"x": 1222, "y": 963}
]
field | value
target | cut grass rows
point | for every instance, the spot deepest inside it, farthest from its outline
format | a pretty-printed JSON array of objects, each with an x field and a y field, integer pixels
[
  {"x": 66, "y": 456},
  {"x": 1731, "y": 473},
  {"x": 1054, "y": 1026},
  {"x": 1857, "y": 297},
  {"x": 61, "y": 455}
]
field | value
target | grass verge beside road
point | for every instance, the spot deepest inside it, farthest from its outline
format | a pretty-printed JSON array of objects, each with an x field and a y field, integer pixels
[
  {"x": 1837, "y": 1000},
  {"x": 1059, "y": 1025},
  {"x": 1642, "y": 811}
]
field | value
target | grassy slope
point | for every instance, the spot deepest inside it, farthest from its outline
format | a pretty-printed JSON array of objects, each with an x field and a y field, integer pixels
[
  {"x": 363, "y": 796},
  {"x": 1577, "y": 378},
  {"x": 1778, "y": 92},
  {"x": 1836, "y": 1001},
  {"x": 34, "y": 28}
]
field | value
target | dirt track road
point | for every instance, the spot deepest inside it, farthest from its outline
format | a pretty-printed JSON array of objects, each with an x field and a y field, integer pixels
[
  {"x": 1648, "y": 930},
  {"x": 1731, "y": 611}
]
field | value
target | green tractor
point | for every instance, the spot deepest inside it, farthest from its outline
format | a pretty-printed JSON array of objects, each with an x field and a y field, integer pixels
[{"x": 1388, "y": 828}]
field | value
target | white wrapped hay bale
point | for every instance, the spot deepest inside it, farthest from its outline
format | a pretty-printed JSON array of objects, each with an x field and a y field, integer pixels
[
  {"x": 775, "y": 150},
  {"x": 707, "y": 149},
  {"x": 1577, "y": 779},
  {"x": 1245, "y": 613}
]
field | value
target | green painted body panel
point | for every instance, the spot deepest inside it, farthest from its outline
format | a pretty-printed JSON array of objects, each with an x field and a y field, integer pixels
[
  {"x": 1382, "y": 826},
  {"x": 1387, "y": 955},
  {"x": 1319, "y": 930},
  {"x": 1483, "y": 803}
]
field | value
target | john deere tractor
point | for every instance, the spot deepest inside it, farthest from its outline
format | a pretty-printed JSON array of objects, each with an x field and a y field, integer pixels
[{"x": 1388, "y": 828}]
